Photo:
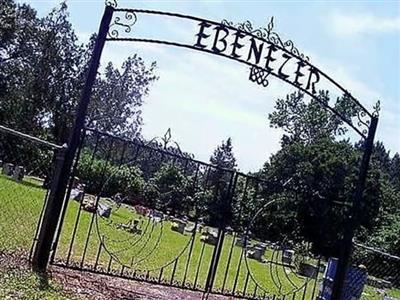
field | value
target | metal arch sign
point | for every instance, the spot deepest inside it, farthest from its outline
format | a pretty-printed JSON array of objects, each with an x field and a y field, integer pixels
[
  {"x": 262, "y": 49},
  {"x": 267, "y": 55}
]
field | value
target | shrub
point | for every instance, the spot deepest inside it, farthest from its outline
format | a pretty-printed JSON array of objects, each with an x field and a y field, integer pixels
[{"x": 107, "y": 179}]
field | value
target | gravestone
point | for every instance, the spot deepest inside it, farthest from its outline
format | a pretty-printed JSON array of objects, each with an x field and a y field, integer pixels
[
  {"x": 157, "y": 216},
  {"x": 209, "y": 238},
  {"x": 104, "y": 210},
  {"x": 308, "y": 270},
  {"x": 132, "y": 227},
  {"x": 356, "y": 278},
  {"x": 19, "y": 173},
  {"x": 240, "y": 241},
  {"x": 178, "y": 226},
  {"x": 287, "y": 256},
  {"x": 190, "y": 229},
  {"x": 256, "y": 252},
  {"x": 8, "y": 169}
]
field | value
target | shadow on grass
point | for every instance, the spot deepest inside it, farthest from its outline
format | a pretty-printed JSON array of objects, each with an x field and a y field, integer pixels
[{"x": 30, "y": 183}]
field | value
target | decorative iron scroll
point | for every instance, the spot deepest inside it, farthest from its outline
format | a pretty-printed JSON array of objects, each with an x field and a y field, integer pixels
[
  {"x": 262, "y": 49},
  {"x": 267, "y": 34},
  {"x": 259, "y": 76},
  {"x": 112, "y": 3},
  {"x": 364, "y": 119},
  {"x": 376, "y": 109},
  {"x": 124, "y": 23},
  {"x": 167, "y": 144}
]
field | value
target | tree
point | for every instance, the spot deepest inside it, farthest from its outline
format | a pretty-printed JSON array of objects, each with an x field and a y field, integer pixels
[
  {"x": 169, "y": 189},
  {"x": 307, "y": 122},
  {"x": 322, "y": 171},
  {"x": 18, "y": 56},
  {"x": 118, "y": 96},
  {"x": 323, "y": 175},
  {"x": 218, "y": 210},
  {"x": 395, "y": 170},
  {"x": 223, "y": 156},
  {"x": 42, "y": 73}
]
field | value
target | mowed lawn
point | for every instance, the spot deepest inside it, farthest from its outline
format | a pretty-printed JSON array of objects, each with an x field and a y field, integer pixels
[{"x": 156, "y": 252}]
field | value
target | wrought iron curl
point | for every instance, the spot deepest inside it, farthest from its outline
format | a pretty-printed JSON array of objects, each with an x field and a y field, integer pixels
[
  {"x": 168, "y": 145},
  {"x": 376, "y": 109},
  {"x": 112, "y": 3},
  {"x": 362, "y": 122},
  {"x": 268, "y": 34},
  {"x": 126, "y": 22}
]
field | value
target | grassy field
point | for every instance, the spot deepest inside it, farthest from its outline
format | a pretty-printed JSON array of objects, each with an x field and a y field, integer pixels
[
  {"x": 158, "y": 251},
  {"x": 24, "y": 284}
]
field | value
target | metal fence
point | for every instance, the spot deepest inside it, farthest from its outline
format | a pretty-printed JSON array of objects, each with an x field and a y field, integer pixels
[
  {"x": 377, "y": 271},
  {"x": 150, "y": 212},
  {"x": 25, "y": 164}
]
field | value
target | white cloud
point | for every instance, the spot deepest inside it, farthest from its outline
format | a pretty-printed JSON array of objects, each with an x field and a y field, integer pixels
[{"x": 348, "y": 25}]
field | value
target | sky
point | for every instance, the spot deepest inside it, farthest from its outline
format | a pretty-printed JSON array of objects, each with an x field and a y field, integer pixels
[{"x": 205, "y": 99}]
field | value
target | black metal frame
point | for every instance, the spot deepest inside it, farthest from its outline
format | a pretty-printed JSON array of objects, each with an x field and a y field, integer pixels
[
  {"x": 110, "y": 29},
  {"x": 104, "y": 143}
]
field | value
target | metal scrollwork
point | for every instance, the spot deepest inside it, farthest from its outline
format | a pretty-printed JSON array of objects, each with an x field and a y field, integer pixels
[
  {"x": 167, "y": 144},
  {"x": 126, "y": 22},
  {"x": 112, "y": 3},
  {"x": 267, "y": 34},
  {"x": 376, "y": 109},
  {"x": 259, "y": 76},
  {"x": 363, "y": 121}
]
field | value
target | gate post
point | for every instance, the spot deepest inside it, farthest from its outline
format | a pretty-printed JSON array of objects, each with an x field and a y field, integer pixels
[
  {"x": 353, "y": 221},
  {"x": 56, "y": 197}
]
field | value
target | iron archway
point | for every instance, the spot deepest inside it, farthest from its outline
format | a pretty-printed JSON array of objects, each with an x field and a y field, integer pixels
[{"x": 283, "y": 61}]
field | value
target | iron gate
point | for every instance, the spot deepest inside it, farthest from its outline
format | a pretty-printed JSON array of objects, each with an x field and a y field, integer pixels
[
  {"x": 219, "y": 188},
  {"x": 149, "y": 212}
]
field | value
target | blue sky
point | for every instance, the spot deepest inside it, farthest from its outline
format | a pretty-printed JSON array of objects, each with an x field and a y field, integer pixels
[{"x": 205, "y": 99}]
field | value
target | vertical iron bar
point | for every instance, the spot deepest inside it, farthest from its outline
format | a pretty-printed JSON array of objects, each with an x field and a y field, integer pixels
[
  {"x": 75, "y": 228},
  {"x": 215, "y": 260},
  {"x": 109, "y": 264},
  {"x": 237, "y": 272},
  {"x": 255, "y": 289},
  {"x": 316, "y": 279},
  {"x": 198, "y": 265},
  {"x": 98, "y": 255},
  {"x": 190, "y": 253},
  {"x": 353, "y": 219},
  {"x": 160, "y": 276},
  {"x": 229, "y": 261},
  {"x": 246, "y": 282},
  {"x": 225, "y": 210},
  {"x": 173, "y": 271},
  {"x": 305, "y": 289},
  {"x": 54, "y": 205}
]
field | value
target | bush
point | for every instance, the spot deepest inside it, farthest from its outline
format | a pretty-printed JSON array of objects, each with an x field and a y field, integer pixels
[{"x": 104, "y": 178}]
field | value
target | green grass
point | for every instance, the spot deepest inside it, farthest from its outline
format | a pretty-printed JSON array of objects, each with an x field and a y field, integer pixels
[
  {"x": 154, "y": 250},
  {"x": 26, "y": 285}
]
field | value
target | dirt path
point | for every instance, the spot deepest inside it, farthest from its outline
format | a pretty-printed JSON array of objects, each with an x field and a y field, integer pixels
[
  {"x": 106, "y": 287},
  {"x": 85, "y": 285}
]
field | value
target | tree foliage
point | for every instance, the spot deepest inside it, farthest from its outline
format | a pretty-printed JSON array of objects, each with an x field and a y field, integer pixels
[{"x": 43, "y": 69}]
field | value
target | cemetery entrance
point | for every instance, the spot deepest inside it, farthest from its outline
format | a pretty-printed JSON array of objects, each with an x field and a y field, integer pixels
[{"x": 148, "y": 211}]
